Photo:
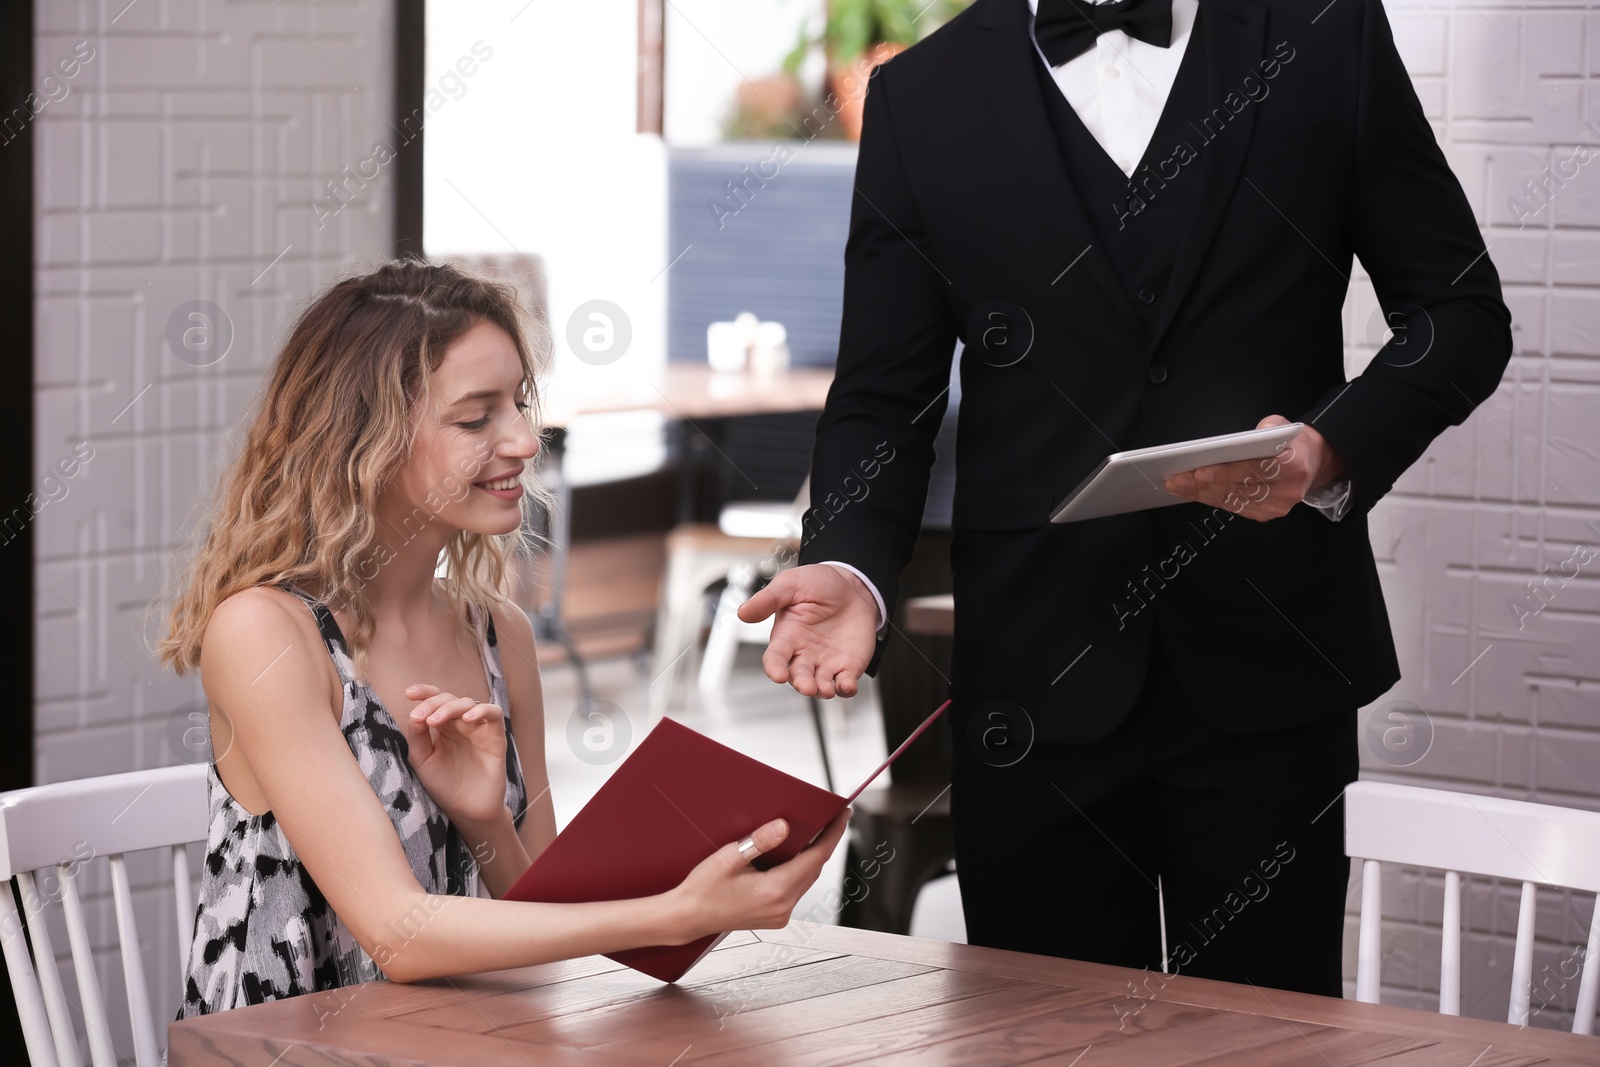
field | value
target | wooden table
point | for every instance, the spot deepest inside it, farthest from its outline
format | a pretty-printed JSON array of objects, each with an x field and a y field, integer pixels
[{"x": 817, "y": 995}]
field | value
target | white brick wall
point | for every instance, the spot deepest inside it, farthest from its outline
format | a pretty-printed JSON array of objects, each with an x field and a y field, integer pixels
[
  {"x": 178, "y": 167},
  {"x": 1509, "y": 86}
]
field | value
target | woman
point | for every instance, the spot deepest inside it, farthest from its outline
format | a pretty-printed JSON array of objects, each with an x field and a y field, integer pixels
[{"x": 367, "y": 718}]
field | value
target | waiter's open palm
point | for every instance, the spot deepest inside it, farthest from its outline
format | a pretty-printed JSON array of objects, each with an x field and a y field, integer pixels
[{"x": 824, "y": 632}]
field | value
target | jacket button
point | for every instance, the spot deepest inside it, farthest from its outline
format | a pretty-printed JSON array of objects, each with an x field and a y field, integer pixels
[
  {"x": 1147, "y": 296},
  {"x": 1157, "y": 373}
]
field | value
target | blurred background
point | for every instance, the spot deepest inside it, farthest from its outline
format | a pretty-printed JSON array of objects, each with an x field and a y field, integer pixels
[{"x": 668, "y": 181}]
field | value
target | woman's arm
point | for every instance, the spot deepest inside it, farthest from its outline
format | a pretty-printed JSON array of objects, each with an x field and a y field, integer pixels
[
  {"x": 263, "y": 665},
  {"x": 502, "y": 857},
  {"x": 519, "y": 659},
  {"x": 449, "y": 747}
]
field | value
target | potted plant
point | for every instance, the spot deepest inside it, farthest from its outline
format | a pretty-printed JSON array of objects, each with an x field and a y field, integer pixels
[
  {"x": 859, "y": 34},
  {"x": 778, "y": 107}
]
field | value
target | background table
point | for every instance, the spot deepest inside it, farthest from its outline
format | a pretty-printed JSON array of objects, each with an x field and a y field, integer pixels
[
  {"x": 819, "y": 995},
  {"x": 695, "y": 391},
  {"x": 697, "y": 404}
]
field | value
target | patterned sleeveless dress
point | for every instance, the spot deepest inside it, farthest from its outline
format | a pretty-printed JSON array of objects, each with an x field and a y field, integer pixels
[{"x": 263, "y": 930}]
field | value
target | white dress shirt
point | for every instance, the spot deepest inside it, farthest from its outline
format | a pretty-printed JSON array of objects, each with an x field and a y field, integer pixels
[{"x": 1119, "y": 89}]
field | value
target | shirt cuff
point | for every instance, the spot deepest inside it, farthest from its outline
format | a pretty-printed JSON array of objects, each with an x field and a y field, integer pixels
[
  {"x": 877, "y": 597},
  {"x": 1332, "y": 500}
]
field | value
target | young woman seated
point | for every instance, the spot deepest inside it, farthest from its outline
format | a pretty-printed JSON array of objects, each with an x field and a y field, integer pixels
[{"x": 378, "y": 771}]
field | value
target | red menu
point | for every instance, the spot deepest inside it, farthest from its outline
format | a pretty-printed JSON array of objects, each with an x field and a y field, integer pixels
[{"x": 674, "y": 801}]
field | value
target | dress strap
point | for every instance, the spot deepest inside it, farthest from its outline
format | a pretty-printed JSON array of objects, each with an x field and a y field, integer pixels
[{"x": 328, "y": 626}]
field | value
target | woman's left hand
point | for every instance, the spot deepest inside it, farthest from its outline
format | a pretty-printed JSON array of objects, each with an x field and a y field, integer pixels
[{"x": 458, "y": 749}]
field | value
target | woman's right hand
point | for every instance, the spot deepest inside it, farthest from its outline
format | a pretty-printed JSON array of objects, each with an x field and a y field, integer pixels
[{"x": 726, "y": 893}]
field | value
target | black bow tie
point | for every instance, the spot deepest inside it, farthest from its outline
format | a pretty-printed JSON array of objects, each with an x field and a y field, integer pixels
[{"x": 1068, "y": 28}]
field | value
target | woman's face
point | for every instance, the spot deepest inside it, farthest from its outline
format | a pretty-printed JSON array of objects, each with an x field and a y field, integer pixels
[{"x": 473, "y": 442}]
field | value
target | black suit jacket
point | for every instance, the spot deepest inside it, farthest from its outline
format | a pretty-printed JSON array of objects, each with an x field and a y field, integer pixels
[{"x": 962, "y": 201}]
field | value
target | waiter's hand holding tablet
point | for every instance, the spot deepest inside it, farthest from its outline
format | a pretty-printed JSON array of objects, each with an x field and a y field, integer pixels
[{"x": 1259, "y": 474}]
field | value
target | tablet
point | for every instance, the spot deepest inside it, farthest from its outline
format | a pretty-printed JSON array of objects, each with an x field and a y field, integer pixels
[{"x": 1134, "y": 481}]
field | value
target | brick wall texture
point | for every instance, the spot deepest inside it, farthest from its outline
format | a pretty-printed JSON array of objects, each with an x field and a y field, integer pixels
[
  {"x": 1505, "y": 678},
  {"x": 177, "y": 166}
]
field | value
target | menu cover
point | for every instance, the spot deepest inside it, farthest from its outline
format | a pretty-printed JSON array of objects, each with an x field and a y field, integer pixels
[{"x": 674, "y": 801}]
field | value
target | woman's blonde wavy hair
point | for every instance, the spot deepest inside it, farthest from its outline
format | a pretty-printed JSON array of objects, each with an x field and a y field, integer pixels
[{"x": 333, "y": 427}]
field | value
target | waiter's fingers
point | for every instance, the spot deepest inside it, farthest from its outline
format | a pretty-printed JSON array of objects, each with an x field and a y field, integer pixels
[
  {"x": 780, "y": 650},
  {"x": 1195, "y": 482},
  {"x": 765, "y": 602},
  {"x": 835, "y": 666},
  {"x": 802, "y": 675}
]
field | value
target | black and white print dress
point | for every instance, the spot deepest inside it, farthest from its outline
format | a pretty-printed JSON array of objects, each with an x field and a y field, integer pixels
[{"x": 263, "y": 930}]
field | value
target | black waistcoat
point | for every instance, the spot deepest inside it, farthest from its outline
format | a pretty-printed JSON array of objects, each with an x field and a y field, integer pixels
[{"x": 1137, "y": 220}]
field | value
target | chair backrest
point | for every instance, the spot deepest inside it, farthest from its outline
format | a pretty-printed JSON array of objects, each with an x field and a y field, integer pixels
[
  {"x": 47, "y": 834},
  {"x": 1442, "y": 829}
]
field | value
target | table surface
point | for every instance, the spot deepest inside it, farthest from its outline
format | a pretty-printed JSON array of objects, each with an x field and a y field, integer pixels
[
  {"x": 695, "y": 391},
  {"x": 820, "y": 995}
]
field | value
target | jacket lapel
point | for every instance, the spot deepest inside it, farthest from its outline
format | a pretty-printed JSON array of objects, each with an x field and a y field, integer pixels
[
  {"x": 1235, "y": 34},
  {"x": 1013, "y": 94}
]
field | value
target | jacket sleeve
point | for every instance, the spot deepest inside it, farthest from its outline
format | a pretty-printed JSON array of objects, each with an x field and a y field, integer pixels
[
  {"x": 1415, "y": 234},
  {"x": 874, "y": 443}
]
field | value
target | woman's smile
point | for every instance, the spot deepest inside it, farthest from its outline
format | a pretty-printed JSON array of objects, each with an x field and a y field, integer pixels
[{"x": 503, "y": 489}]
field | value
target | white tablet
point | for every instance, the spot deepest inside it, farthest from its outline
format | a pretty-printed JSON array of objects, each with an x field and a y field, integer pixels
[{"x": 1135, "y": 481}]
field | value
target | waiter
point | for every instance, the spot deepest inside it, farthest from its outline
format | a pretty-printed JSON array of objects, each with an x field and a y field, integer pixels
[{"x": 1140, "y": 220}]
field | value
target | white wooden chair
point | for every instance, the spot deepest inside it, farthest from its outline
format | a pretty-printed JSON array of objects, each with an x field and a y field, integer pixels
[
  {"x": 48, "y": 832},
  {"x": 778, "y": 524},
  {"x": 749, "y": 538},
  {"x": 1442, "y": 829}
]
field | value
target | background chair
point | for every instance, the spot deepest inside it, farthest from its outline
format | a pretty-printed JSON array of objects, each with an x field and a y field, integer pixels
[
  {"x": 745, "y": 546},
  {"x": 48, "y": 834},
  {"x": 1460, "y": 834},
  {"x": 778, "y": 524},
  {"x": 912, "y": 813}
]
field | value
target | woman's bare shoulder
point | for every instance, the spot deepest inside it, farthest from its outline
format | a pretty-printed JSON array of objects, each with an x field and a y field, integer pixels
[
  {"x": 251, "y": 615},
  {"x": 510, "y": 621},
  {"x": 519, "y": 656},
  {"x": 251, "y": 627}
]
